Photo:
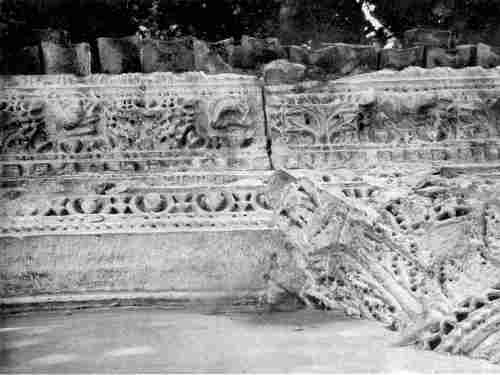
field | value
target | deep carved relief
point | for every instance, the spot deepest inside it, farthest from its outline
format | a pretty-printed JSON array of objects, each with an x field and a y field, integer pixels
[
  {"x": 152, "y": 210},
  {"x": 61, "y": 135},
  {"x": 384, "y": 117},
  {"x": 178, "y": 117},
  {"x": 419, "y": 255}
]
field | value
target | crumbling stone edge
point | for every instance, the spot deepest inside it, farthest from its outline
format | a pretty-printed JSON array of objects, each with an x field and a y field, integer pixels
[{"x": 210, "y": 302}]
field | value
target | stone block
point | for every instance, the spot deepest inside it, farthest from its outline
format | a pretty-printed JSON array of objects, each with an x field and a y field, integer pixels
[
  {"x": 460, "y": 57},
  {"x": 341, "y": 58},
  {"x": 298, "y": 54},
  {"x": 119, "y": 55},
  {"x": 25, "y": 61},
  {"x": 173, "y": 190},
  {"x": 254, "y": 52},
  {"x": 488, "y": 56},
  {"x": 181, "y": 55},
  {"x": 223, "y": 261},
  {"x": 176, "y": 55},
  {"x": 190, "y": 121},
  {"x": 207, "y": 59},
  {"x": 415, "y": 115},
  {"x": 225, "y": 49},
  {"x": 282, "y": 71},
  {"x": 70, "y": 59},
  {"x": 428, "y": 37},
  {"x": 398, "y": 59}
]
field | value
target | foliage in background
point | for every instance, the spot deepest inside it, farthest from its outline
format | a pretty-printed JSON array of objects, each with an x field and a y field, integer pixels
[
  {"x": 294, "y": 21},
  {"x": 472, "y": 20}
]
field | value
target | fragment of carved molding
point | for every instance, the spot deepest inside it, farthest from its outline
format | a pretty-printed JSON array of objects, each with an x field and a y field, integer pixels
[
  {"x": 65, "y": 125},
  {"x": 133, "y": 207},
  {"x": 420, "y": 254},
  {"x": 431, "y": 115}
]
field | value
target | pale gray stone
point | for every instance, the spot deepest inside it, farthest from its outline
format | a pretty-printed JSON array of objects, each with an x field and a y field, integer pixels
[
  {"x": 283, "y": 71},
  {"x": 342, "y": 59},
  {"x": 207, "y": 59},
  {"x": 398, "y": 59},
  {"x": 71, "y": 59},
  {"x": 298, "y": 54},
  {"x": 119, "y": 55},
  {"x": 459, "y": 57},
  {"x": 428, "y": 37},
  {"x": 254, "y": 52},
  {"x": 175, "y": 55},
  {"x": 487, "y": 56}
]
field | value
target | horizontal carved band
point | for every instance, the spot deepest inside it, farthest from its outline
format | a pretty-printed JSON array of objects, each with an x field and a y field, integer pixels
[
  {"x": 140, "y": 225},
  {"x": 414, "y": 115},
  {"x": 178, "y": 122},
  {"x": 41, "y": 168},
  {"x": 315, "y": 157},
  {"x": 62, "y": 136},
  {"x": 153, "y": 211}
]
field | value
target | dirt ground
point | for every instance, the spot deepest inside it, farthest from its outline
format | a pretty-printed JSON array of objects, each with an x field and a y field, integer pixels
[{"x": 155, "y": 340}]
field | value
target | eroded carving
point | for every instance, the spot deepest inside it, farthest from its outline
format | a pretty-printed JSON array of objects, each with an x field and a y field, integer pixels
[
  {"x": 183, "y": 118},
  {"x": 421, "y": 258},
  {"x": 152, "y": 210},
  {"x": 374, "y": 117}
]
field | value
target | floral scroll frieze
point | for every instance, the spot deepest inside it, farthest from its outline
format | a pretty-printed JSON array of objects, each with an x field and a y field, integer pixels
[
  {"x": 386, "y": 117},
  {"x": 187, "y": 116},
  {"x": 58, "y": 134},
  {"x": 185, "y": 138}
]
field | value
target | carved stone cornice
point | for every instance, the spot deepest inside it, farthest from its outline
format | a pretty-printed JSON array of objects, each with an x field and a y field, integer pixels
[
  {"x": 132, "y": 153},
  {"x": 67, "y": 125},
  {"x": 137, "y": 209},
  {"x": 437, "y": 115}
]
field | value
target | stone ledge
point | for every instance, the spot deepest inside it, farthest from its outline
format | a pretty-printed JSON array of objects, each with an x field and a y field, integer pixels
[
  {"x": 241, "y": 300},
  {"x": 175, "y": 261}
]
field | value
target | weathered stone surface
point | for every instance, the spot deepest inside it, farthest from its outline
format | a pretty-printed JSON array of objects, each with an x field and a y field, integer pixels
[
  {"x": 466, "y": 55},
  {"x": 428, "y": 37},
  {"x": 298, "y": 54},
  {"x": 397, "y": 218},
  {"x": 119, "y": 55},
  {"x": 193, "y": 202},
  {"x": 71, "y": 59},
  {"x": 410, "y": 254},
  {"x": 283, "y": 71},
  {"x": 254, "y": 52},
  {"x": 401, "y": 58},
  {"x": 175, "y": 55},
  {"x": 487, "y": 56},
  {"x": 205, "y": 261},
  {"x": 460, "y": 57},
  {"x": 181, "y": 55},
  {"x": 206, "y": 59},
  {"x": 386, "y": 117},
  {"x": 225, "y": 49},
  {"x": 342, "y": 59},
  {"x": 188, "y": 122},
  {"x": 155, "y": 178}
]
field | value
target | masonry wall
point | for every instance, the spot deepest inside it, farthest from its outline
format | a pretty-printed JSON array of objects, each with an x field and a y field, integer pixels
[
  {"x": 232, "y": 262},
  {"x": 159, "y": 181}
]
